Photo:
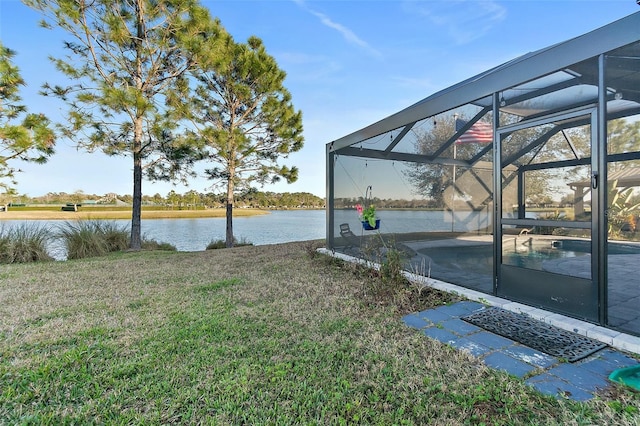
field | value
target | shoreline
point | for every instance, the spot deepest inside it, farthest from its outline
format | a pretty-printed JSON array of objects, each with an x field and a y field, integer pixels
[{"x": 125, "y": 214}]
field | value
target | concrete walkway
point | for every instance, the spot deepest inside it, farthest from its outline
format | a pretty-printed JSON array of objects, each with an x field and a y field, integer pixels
[{"x": 579, "y": 381}]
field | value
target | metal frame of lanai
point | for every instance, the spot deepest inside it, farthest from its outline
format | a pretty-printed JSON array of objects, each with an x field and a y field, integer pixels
[{"x": 519, "y": 182}]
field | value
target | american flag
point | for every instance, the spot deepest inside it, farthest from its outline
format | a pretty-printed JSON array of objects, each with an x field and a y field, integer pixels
[{"x": 479, "y": 132}]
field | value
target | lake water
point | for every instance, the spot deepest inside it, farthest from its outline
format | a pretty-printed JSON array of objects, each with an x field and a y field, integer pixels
[
  {"x": 282, "y": 226},
  {"x": 195, "y": 234},
  {"x": 276, "y": 227}
]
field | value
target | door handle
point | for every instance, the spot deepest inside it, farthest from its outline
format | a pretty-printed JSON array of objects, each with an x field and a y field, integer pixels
[{"x": 594, "y": 180}]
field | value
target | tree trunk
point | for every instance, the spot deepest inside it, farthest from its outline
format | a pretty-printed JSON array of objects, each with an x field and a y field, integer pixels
[
  {"x": 136, "y": 209},
  {"x": 229, "y": 234}
]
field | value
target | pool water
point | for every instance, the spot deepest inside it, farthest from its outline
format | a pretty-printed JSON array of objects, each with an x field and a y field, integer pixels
[
  {"x": 479, "y": 258},
  {"x": 533, "y": 257}
]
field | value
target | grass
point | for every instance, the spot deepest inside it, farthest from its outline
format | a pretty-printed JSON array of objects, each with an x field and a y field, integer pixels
[{"x": 252, "y": 335}]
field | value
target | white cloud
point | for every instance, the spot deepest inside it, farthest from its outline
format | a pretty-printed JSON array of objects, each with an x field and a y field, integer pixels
[
  {"x": 349, "y": 35},
  {"x": 462, "y": 20}
]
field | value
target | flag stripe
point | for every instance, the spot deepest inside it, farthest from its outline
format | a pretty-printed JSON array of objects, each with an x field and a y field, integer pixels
[{"x": 480, "y": 132}]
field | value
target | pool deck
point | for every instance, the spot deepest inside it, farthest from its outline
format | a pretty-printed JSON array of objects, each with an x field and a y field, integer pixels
[
  {"x": 579, "y": 381},
  {"x": 624, "y": 290}
]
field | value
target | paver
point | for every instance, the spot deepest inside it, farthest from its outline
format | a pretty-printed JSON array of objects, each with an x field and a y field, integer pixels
[
  {"x": 440, "y": 334},
  {"x": 473, "y": 348},
  {"x": 490, "y": 340},
  {"x": 415, "y": 321},
  {"x": 502, "y": 361},
  {"x": 434, "y": 315},
  {"x": 530, "y": 356},
  {"x": 580, "y": 377},
  {"x": 460, "y": 327},
  {"x": 552, "y": 385},
  {"x": 578, "y": 381}
]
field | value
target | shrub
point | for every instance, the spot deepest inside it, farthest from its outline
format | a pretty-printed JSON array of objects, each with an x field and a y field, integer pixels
[
  {"x": 116, "y": 236},
  {"x": 216, "y": 244},
  {"x": 24, "y": 243},
  {"x": 90, "y": 238},
  {"x": 151, "y": 244},
  {"x": 83, "y": 239},
  {"x": 392, "y": 267},
  {"x": 220, "y": 244}
]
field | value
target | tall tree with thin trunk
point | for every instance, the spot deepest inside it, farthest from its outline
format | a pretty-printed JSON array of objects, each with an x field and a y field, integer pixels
[
  {"x": 125, "y": 59},
  {"x": 245, "y": 118},
  {"x": 23, "y": 136}
]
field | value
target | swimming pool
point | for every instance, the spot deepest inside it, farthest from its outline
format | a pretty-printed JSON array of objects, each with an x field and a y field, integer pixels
[
  {"x": 521, "y": 252},
  {"x": 479, "y": 258}
]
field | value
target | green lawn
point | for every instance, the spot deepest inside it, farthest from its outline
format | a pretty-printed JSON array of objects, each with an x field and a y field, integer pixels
[{"x": 251, "y": 335}]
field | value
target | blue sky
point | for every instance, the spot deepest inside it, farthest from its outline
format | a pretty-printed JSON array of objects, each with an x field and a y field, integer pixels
[{"x": 349, "y": 63}]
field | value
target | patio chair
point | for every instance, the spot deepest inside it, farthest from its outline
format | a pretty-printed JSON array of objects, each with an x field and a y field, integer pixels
[{"x": 350, "y": 238}]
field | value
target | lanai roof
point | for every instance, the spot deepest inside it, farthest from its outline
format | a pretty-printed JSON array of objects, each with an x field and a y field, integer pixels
[
  {"x": 523, "y": 82},
  {"x": 625, "y": 178}
]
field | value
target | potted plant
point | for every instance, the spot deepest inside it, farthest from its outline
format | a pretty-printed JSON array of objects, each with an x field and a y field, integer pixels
[{"x": 368, "y": 217}]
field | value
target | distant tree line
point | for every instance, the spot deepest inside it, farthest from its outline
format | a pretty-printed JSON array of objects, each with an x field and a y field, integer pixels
[
  {"x": 189, "y": 200},
  {"x": 388, "y": 203}
]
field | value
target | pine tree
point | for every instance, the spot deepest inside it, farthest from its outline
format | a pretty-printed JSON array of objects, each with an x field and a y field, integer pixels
[
  {"x": 125, "y": 59},
  {"x": 245, "y": 118},
  {"x": 23, "y": 136}
]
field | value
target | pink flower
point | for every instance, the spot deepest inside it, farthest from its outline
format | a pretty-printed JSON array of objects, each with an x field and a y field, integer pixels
[{"x": 359, "y": 208}]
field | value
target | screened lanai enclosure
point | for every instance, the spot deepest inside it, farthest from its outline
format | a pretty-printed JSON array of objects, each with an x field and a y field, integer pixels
[{"x": 522, "y": 182}]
